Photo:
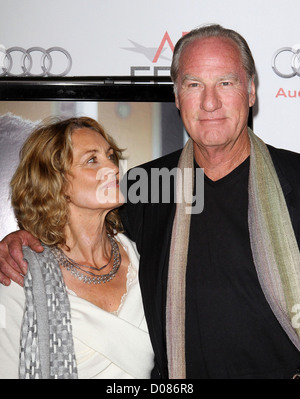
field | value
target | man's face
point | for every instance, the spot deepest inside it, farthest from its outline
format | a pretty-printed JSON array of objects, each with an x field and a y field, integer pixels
[{"x": 213, "y": 92}]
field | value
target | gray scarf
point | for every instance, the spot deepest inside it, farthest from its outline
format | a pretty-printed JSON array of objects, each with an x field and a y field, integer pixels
[
  {"x": 273, "y": 243},
  {"x": 46, "y": 347}
]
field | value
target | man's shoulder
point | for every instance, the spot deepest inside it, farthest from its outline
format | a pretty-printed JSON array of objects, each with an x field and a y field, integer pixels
[
  {"x": 285, "y": 158},
  {"x": 287, "y": 165}
]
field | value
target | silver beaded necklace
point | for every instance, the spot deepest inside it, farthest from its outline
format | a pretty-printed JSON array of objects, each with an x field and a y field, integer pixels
[{"x": 88, "y": 277}]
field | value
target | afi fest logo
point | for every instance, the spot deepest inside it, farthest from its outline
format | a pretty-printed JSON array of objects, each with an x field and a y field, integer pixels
[{"x": 153, "y": 54}]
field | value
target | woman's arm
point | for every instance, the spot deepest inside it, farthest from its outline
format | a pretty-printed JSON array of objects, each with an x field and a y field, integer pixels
[{"x": 12, "y": 265}]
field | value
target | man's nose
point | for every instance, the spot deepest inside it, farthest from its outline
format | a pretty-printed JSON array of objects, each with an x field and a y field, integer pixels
[{"x": 210, "y": 100}]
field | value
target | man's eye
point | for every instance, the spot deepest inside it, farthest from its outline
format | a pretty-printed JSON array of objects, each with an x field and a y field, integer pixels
[
  {"x": 194, "y": 84},
  {"x": 225, "y": 83}
]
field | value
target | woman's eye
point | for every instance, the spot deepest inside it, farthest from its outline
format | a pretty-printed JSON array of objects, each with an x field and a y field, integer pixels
[
  {"x": 112, "y": 157},
  {"x": 92, "y": 160}
]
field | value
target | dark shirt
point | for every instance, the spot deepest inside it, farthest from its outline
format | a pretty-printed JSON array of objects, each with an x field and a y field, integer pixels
[{"x": 231, "y": 331}]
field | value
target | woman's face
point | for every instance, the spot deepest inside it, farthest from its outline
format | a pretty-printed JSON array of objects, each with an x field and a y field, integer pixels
[{"x": 94, "y": 174}]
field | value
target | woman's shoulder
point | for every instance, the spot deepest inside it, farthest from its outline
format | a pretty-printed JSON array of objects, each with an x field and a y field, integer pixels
[
  {"x": 28, "y": 251},
  {"x": 35, "y": 259},
  {"x": 124, "y": 238},
  {"x": 130, "y": 248},
  {"x": 125, "y": 241}
]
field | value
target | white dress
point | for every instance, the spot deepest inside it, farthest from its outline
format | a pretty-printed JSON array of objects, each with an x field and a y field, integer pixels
[{"x": 107, "y": 345}]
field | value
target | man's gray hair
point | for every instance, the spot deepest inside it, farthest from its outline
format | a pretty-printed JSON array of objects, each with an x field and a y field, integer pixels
[{"x": 213, "y": 30}]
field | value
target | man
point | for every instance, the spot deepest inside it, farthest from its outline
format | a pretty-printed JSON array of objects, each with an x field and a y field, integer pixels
[{"x": 220, "y": 287}]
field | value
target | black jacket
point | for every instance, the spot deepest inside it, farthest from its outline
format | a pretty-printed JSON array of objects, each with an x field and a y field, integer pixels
[{"x": 150, "y": 226}]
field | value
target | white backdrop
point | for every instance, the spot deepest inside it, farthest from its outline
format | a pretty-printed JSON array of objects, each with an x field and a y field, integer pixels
[{"x": 109, "y": 37}]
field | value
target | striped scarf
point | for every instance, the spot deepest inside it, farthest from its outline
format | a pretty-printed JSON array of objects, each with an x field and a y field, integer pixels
[
  {"x": 46, "y": 347},
  {"x": 274, "y": 248}
]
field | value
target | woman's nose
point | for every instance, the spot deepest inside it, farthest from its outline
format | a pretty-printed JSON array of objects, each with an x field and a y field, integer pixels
[{"x": 108, "y": 171}]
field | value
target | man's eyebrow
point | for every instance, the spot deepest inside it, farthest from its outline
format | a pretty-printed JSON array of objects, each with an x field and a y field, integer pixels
[
  {"x": 191, "y": 77},
  {"x": 230, "y": 76}
]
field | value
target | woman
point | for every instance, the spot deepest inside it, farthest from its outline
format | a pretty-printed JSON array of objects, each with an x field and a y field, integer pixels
[{"x": 80, "y": 313}]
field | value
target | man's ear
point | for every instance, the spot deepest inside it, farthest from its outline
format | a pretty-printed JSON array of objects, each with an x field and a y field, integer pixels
[
  {"x": 177, "y": 101},
  {"x": 252, "y": 94}
]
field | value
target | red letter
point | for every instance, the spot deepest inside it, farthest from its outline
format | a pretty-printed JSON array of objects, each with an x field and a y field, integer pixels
[
  {"x": 280, "y": 93},
  {"x": 166, "y": 38}
]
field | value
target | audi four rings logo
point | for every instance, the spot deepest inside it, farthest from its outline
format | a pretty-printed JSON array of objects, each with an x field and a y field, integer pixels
[
  {"x": 17, "y": 61},
  {"x": 293, "y": 62}
]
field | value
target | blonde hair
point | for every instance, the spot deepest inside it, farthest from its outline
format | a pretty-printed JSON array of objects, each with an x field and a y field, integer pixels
[{"x": 38, "y": 185}]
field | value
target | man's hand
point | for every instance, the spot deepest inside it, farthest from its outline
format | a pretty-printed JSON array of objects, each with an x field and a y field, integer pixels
[{"x": 12, "y": 263}]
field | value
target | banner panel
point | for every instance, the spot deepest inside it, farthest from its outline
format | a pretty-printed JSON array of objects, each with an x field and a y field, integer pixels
[{"x": 137, "y": 38}]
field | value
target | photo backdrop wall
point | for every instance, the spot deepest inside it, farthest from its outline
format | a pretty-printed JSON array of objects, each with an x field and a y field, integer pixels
[{"x": 118, "y": 37}]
